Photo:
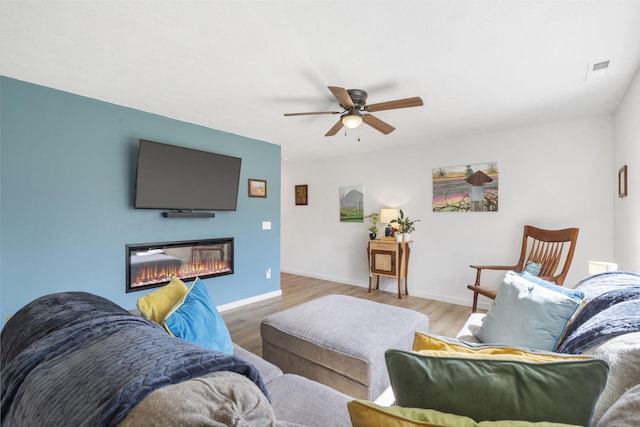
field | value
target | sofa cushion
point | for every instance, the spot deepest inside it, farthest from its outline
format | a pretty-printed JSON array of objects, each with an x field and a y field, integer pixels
[
  {"x": 301, "y": 401},
  {"x": 622, "y": 353},
  {"x": 468, "y": 331},
  {"x": 524, "y": 385},
  {"x": 527, "y": 314},
  {"x": 625, "y": 411},
  {"x": 195, "y": 319},
  {"x": 221, "y": 398},
  {"x": 268, "y": 371},
  {"x": 367, "y": 414},
  {"x": 156, "y": 305}
]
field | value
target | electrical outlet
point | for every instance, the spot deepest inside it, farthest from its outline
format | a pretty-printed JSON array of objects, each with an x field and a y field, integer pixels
[{"x": 268, "y": 273}]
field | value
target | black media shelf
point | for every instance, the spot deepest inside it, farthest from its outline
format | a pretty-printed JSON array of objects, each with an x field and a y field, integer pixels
[{"x": 188, "y": 214}]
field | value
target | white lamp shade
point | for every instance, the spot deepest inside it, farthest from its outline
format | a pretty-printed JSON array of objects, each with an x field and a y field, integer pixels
[
  {"x": 601, "y": 267},
  {"x": 388, "y": 214},
  {"x": 352, "y": 121}
]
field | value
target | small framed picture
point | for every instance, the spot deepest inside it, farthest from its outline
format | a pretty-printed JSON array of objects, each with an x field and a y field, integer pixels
[
  {"x": 301, "y": 194},
  {"x": 622, "y": 181},
  {"x": 257, "y": 188}
]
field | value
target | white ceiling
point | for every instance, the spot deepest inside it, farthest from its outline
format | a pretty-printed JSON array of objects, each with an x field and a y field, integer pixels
[{"x": 237, "y": 66}]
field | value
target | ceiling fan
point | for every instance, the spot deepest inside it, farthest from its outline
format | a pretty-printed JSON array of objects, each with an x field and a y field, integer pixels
[{"x": 355, "y": 110}]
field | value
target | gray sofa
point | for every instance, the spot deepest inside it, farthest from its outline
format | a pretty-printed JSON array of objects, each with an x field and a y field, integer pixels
[
  {"x": 75, "y": 358},
  {"x": 300, "y": 401}
]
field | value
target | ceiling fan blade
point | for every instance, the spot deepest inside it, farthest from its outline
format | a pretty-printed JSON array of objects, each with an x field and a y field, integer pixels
[
  {"x": 335, "y": 128},
  {"x": 342, "y": 96},
  {"x": 378, "y": 124},
  {"x": 311, "y": 113},
  {"x": 416, "y": 101}
]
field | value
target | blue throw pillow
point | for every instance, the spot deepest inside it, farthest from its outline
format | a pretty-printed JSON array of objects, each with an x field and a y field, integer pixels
[
  {"x": 196, "y": 319},
  {"x": 527, "y": 314}
]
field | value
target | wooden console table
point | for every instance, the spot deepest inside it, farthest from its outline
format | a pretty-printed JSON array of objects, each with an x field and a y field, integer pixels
[{"x": 390, "y": 259}]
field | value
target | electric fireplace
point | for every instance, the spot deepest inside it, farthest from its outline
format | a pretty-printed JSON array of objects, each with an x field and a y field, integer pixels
[{"x": 150, "y": 265}]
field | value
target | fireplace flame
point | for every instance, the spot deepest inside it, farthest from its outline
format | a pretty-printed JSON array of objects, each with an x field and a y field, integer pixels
[{"x": 163, "y": 271}]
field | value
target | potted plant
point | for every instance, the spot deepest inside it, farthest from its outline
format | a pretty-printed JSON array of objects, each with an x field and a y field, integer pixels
[
  {"x": 405, "y": 226},
  {"x": 373, "y": 220}
]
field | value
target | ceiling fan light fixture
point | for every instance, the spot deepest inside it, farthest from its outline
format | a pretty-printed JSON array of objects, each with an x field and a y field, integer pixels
[
  {"x": 352, "y": 120},
  {"x": 353, "y": 103}
]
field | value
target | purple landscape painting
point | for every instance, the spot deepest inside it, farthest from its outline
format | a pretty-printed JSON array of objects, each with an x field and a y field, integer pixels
[{"x": 466, "y": 188}]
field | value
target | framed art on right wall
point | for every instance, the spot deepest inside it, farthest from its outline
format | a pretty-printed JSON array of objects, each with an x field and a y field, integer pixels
[{"x": 622, "y": 181}]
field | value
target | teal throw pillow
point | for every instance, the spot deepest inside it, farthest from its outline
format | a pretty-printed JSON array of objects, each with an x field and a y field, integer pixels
[
  {"x": 562, "y": 390},
  {"x": 527, "y": 314},
  {"x": 533, "y": 268},
  {"x": 196, "y": 319}
]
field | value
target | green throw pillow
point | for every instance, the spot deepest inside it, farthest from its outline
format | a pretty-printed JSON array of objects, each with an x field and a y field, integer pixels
[{"x": 525, "y": 385}]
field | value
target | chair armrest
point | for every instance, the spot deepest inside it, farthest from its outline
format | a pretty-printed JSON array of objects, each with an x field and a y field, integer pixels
[
  {"x": 494, "y": 267},
  {"x": 479, "y": 269}
]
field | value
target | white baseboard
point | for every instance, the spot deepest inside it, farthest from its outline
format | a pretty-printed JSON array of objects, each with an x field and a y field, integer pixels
[
  {"x": 325, "y": 277},
  {"x": 246, "y": 301}
]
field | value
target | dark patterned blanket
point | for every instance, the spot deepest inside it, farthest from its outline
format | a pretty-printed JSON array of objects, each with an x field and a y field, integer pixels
[
  {"x": 611, "y": 308},
  {"x": 78, "y": 359}
]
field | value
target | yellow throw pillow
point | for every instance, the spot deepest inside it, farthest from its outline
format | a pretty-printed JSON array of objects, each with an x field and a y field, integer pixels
[
  {"x": 156, "y": 305},
  {"x": 367, "y": 414},
  {"x": 433, "y": 346}
]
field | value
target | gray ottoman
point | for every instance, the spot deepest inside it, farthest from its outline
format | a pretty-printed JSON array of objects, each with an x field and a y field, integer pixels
[{"x": 340, "y": 341}]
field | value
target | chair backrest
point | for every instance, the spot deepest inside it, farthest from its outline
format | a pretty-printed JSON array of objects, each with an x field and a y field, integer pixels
[{"x": 552, "y": 249}]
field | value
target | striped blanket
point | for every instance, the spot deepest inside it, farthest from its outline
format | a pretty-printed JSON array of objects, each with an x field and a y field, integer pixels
[{"x": 611, "y": 307}]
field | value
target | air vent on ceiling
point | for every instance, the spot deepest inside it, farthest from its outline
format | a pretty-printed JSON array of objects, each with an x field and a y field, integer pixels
[{"x": 598, "y": 70}]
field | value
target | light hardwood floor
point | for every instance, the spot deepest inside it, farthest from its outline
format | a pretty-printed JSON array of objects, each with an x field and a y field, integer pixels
[{"x": 244, "y": 322}]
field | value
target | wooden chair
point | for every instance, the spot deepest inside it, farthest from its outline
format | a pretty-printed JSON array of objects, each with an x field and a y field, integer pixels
[{"x": 545, "y": 247}]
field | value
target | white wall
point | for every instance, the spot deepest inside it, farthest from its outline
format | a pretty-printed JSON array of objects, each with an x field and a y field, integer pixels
[
  {"x": 553, "y": 176},
  {"x": 627, "y": 152}
]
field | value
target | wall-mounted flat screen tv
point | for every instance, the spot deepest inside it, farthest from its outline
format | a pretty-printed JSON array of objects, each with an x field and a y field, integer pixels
[{"x": 184, "y": 179}]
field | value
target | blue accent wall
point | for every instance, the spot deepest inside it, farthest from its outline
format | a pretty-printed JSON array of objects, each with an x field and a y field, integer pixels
[{"x": 67, "y": 182}]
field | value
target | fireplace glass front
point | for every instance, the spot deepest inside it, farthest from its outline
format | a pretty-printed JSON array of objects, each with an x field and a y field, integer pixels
[{"x": 150, "y": 265}]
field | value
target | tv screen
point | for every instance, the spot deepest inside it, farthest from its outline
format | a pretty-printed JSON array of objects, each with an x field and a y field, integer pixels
[{"x": 184, "y": 179}]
